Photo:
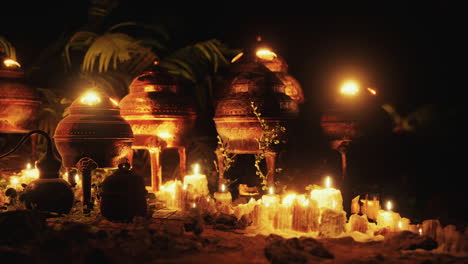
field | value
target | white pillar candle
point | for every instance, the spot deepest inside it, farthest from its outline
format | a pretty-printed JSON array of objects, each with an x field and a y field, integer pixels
[
  {"x": 388, "y": 219},
  {"x": 196, "y": 183},
  {"x": 332, "y": 223},
  {"x": 328, "y": 197},
  {"x": 358, "y": 223}
]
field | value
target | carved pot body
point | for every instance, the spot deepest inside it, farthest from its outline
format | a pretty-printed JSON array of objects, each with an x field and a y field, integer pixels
[
  {"x": 19, "y": 104},
  {"x": 156, "y": 109},
  {"x": 234, "y": 118},
  {"x": 51, "y": 195},
  {"x": 123, "y": 195},
  {"x": 94, "y": 131}
]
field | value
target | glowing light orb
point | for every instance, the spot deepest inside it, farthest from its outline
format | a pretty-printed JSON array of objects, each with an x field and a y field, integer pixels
[
  {"x": 90, "y": 98},
  {"x": 266, "y": 54},
  {"x": 349, "y": 88}
]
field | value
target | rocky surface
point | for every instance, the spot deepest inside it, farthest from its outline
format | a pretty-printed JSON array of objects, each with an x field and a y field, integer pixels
[{"x": 164, "y": 238}]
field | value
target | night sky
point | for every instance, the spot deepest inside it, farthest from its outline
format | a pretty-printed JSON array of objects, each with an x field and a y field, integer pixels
[{"x": 409, "y": 54}]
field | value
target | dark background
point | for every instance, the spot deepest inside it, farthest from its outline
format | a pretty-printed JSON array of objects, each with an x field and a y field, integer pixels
[{"x": 410, "y": 54}]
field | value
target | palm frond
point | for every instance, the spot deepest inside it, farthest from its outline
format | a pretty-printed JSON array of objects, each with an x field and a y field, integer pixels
[
  {"x": 115, "y": 48},
  {"x": 158, "y": 29},
  {"x": 7, "y": 48},
  {"x": 78, "y": 41},
  {"x": 195, "y": 61}
]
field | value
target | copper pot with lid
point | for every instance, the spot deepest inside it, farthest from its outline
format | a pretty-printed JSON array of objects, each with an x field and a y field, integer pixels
[{"x": 160, "y": 116}]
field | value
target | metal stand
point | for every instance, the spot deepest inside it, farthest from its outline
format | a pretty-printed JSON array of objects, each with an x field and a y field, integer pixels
[{"x": 85, "y": 166}]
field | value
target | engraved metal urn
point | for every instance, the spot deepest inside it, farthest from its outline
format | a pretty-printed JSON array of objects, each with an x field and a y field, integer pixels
[{"x": 161, "y": 117}]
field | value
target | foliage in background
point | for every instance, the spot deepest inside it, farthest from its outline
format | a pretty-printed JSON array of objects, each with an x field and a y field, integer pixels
[
  {"x": 271, "y": 137},
  {"x": 7, "y": 49}
]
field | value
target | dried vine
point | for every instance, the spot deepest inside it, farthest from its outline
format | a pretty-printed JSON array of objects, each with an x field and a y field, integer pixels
[{"x": 271, "y": 136}]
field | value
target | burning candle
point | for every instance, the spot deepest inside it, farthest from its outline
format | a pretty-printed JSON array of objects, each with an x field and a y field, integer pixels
[
  {"x": 196, "y": 184},
  {"x": 172, "y": 194},
  {"x": 270, "y": 199},
  {"x": 328, "y": 197},
  {"x": 388, "y": 218},
  {"x": 222, "y": 196}
]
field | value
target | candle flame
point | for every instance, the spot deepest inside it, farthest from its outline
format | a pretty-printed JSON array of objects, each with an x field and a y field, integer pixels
[
  {"x": 196, "y": 169},
  {"x": 349, "y": 88},
  {"x": 372, "y": 91},
  {"x": 77, "y": 178},
  {"x": 400, "y": 225},
  {"x": 305, "y": 203},
  {"x": 420, "y": 231},
  {"x": 271, "y": 191},
  {"x": 223, "y": 187},
  {"x": 28, "y": 166},
  {"x": 11, "y": 63},
  {"x": 194, "y": 205},
  {"x": 90, "y": 98},
  {"x": 266, "y": 54},
  {"x": 389, "y": 205},
  {"x": 208, "y": 199},
  {"x": 184, "y": 187},
  {"x": 328, "y": 182}
]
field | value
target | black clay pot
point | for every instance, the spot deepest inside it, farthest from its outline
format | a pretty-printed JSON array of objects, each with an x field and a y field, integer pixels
[
  {"x": 49, "y": 193},
  {"x": 123, "y": 195}
]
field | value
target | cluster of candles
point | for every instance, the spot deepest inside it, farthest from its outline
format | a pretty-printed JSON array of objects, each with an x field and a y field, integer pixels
[
  {"x": 320, "y": 211},
  {"x": 26, "y": 176}
]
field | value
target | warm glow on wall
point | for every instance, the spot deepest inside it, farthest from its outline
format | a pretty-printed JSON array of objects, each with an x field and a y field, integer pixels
[
  {"x": 11, "y": 63},
  {"x": 266, "y": 54},
  {"x": 349, "y": 88},
  {"x": 90, "y": 98}
]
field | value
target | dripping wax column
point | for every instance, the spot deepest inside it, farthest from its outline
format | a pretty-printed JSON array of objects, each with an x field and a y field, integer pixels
[{"x": 156, "y": 177}]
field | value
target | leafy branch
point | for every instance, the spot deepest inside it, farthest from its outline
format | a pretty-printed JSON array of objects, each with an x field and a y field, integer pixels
[
  {"x": 228, "y": 158},
  {"x": 271, "y": 136}
]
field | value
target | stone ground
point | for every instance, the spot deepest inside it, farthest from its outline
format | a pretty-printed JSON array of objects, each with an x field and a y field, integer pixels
[{"x": 26, "y": 237}]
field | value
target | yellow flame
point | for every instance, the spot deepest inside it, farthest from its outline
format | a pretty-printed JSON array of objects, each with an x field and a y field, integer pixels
[
  {"x": 372, "y": 91},
  {"x": 208, "y": 199},
  {"x": 237, "y": 57},
  {"x": 114, "y": 101},
  {"x": 223, "y": 187},
  {"x": 350, "y": 88},
  {"x": 328, "y": 182},
  {"x": 184, "y": 187},
  {"x": 305, "y": 203},
  {"x": 271, "y": 191},
  {"x": 77, "y": 178},
  {"x": 194, "y": 205},
  {"x": 389, "y": 205},
  {"x": 28, "y": 166},
  {"x": 11, "y": 63},
  {"x": 196, "y": 169},
  {"x": 400, "y": 225},
  {"x": 266, "y": 54},
  {"x": 90, "y": 98},
  {"x": 420, "y": 231}
]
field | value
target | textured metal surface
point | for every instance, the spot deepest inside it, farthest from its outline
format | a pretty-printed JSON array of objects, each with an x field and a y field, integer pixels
[
  {"x": 19, "y": 103},
  {"x": 155, "y": 108},
  {"x": 235, "y": 121},
  {"x": 94, "y": 131}
]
